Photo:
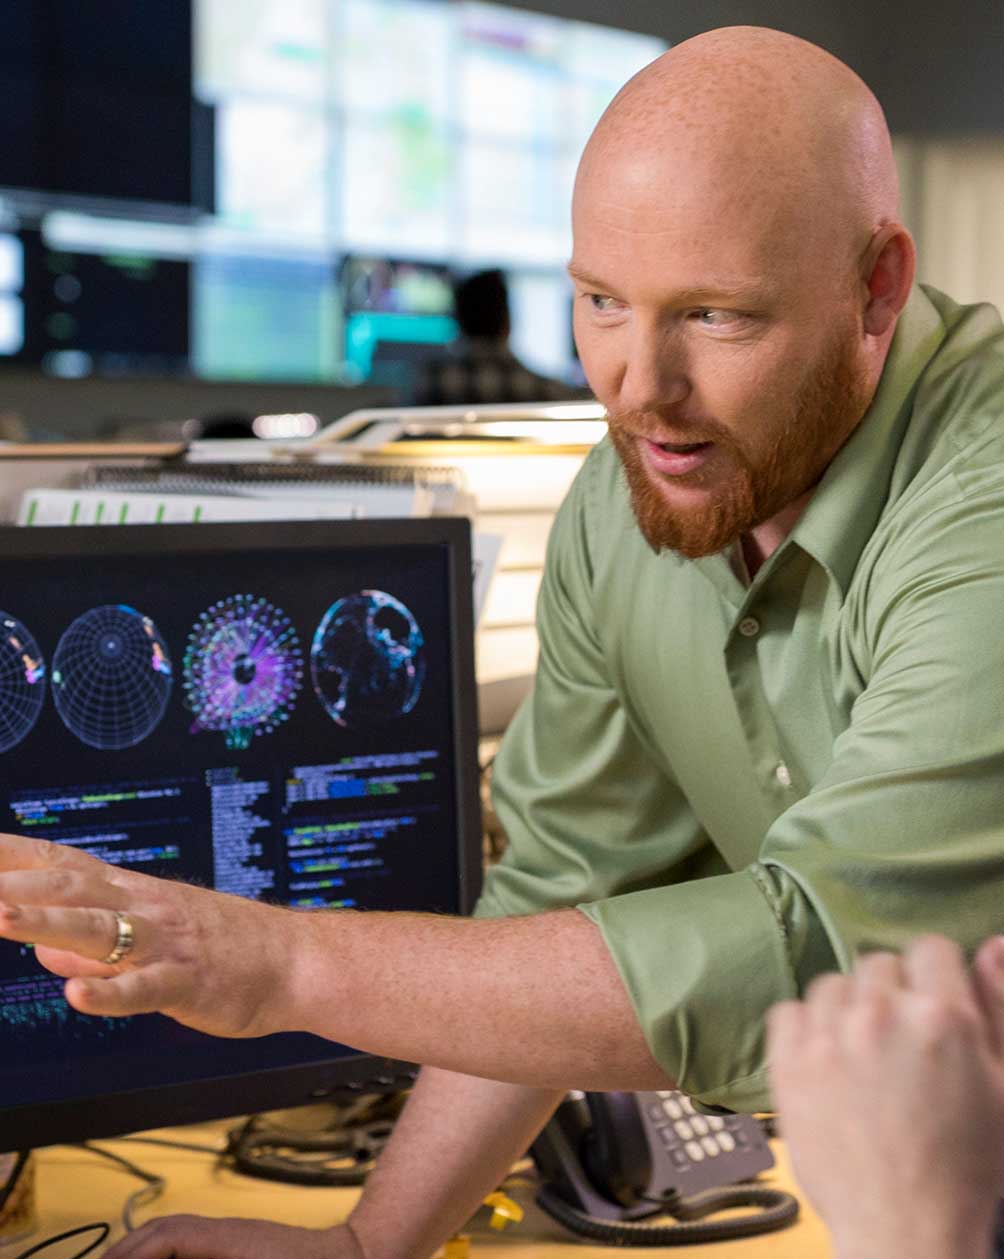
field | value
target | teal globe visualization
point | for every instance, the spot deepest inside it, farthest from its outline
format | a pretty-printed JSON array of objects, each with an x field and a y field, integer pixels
[
  {"x": 22, "y": 681},
  {"x": 111, "y": 677},
  {"x": 367, "y": 660}
]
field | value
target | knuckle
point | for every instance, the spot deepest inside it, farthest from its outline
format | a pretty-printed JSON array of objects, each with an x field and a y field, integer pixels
[
  {"x": 63, "y": 882},
  {"x": 942, "y": 1019},
  {"x": 869, "y": 1019},
  {"x": 60, "y": 856}
]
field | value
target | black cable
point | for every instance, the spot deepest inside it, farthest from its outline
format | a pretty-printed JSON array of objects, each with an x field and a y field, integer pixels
[
  {"x": 778, "y": 1210},
  {"x": 153, "y": 1188},
  {"x": 15, "y": 1176},
  {"x": 341, "y": 1155},
  {"x": 101, "y": 1229},
  {"x": 134, "y": 1169},
  {"x": 175, "y": 1145}
]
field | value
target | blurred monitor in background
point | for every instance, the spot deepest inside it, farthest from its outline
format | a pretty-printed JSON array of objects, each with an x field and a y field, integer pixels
[
  {"x": 396, "y": 312},
  {"x": 479, "y": 366}
]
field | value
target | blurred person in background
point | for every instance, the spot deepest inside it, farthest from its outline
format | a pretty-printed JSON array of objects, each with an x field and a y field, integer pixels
[{"x": 479, "y": 366}]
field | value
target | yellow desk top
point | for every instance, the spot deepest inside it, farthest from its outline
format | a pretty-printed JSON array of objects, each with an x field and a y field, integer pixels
[{"x": 76, "y": 1187}]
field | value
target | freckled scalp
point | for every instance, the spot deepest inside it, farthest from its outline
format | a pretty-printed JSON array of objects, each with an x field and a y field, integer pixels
[{"x": 753, "y": 118}]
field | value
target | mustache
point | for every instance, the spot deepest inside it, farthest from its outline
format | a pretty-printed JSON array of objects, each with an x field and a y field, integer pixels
[{"x": 658, "y": 427}]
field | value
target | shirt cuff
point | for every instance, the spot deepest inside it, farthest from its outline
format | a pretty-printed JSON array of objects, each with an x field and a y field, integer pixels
[{"x": 702, "y": 963}]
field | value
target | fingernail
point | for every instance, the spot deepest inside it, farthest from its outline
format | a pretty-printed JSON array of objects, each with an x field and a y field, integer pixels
[{"x": 998, "y": 946}]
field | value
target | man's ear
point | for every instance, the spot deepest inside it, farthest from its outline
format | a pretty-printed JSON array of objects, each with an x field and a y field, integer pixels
[{"x": 890, "y": 264}]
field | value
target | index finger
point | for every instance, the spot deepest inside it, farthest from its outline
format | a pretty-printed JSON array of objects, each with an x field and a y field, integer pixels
[{"x": 18, "y": 852}]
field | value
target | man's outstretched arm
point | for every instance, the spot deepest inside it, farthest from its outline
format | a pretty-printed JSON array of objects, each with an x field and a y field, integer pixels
[{"x": 534, "y": 1000}]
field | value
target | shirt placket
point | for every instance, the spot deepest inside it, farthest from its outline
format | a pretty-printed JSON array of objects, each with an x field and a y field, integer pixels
[{"x": 776, "y": 778}]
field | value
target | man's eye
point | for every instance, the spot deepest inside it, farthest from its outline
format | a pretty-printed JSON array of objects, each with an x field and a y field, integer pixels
[
  {"x": 600, "y": 302},
  {"x": 711, "y": 317}
]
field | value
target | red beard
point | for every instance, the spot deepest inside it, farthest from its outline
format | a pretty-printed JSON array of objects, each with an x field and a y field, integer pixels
[{"x": 749, "y": 481}]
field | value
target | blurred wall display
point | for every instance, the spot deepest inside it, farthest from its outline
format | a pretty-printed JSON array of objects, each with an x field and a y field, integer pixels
[{"x": 277, "y": 150}]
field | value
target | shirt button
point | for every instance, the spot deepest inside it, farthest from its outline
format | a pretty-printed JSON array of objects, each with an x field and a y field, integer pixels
[
  {"x": 749, "y": 626},
  {"x": 783, "y": 775}
]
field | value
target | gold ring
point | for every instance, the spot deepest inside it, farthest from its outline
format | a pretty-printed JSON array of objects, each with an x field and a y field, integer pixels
[{"x": 124, "y": 940}]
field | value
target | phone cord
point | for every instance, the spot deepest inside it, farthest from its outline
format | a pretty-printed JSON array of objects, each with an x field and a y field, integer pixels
[{"x": 778, "y": 1209}]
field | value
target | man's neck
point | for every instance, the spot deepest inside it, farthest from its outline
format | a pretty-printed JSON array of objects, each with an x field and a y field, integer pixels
[{"x": 761, "y": 542}]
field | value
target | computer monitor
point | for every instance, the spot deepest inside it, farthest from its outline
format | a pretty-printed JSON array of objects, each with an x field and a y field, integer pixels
[
  {"x": 281, "y": 710},
  {"x": 397, "y": 312}
]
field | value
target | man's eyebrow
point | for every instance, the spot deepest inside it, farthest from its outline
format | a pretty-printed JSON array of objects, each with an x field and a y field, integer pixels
[
  {"x": 754, "y": 291},
  {"x": 584, "y": 277}
]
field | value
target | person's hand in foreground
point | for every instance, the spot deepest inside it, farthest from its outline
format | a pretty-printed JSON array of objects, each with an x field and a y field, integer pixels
[
  {"x": 889, "y": 1084},
  {"x": 214, "y": 962}
]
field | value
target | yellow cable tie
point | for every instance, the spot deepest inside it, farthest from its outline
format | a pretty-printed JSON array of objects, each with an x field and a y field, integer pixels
[
  {"x": 504, "y": 1210},
  {"x": 458, "y": 1247}
]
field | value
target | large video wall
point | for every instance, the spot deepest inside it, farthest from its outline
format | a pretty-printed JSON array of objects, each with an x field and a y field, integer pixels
[{"x": 427, "y": 131}]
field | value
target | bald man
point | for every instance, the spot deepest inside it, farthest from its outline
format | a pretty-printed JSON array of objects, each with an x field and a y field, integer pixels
[{"x": 766, "y": 732}]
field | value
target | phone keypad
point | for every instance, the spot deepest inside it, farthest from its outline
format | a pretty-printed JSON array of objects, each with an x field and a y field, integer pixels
[
  {"x": 697, "y": 1136},
  {"x": 693, "y": 1151}
]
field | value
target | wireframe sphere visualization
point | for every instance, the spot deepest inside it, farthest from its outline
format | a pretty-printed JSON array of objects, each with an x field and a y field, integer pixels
[
  {"x": 367, "y": 660},
  {"x": 111, "y": 677},
  {"x": 243, "y": 669},
  {"x": 22, "y": 681}
]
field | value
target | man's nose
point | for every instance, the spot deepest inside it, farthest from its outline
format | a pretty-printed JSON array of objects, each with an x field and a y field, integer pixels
[{"x": 655, "y": 371}]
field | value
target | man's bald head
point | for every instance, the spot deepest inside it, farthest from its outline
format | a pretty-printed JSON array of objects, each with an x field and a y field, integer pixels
[
  {"x": 751, "y": 120},
  {"x": 739, "y": 270}
]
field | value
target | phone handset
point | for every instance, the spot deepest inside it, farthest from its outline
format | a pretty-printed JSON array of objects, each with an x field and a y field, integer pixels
[{"x": 608, "y": 1161}]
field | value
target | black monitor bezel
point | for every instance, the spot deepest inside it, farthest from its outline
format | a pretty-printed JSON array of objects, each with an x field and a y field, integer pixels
[{"x": 25, "y": 1127}]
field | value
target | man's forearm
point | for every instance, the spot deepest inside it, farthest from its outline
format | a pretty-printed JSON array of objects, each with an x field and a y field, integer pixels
[
  {"x": 455, "y": 1141},
  {"x": 535, "y": 1000}
]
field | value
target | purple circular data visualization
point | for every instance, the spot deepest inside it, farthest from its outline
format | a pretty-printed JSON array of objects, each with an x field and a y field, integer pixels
[
  {"x": 367, "y": 660},
  {"x": 22, "y": 681},
  {"x": 111, "y": 677},
  {"x": 243, "y": 668}
]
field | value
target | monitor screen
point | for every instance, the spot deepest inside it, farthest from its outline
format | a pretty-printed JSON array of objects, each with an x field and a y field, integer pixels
[
  {"x": 281, "y": 711},
  {"x": 98, "y": 107},
  {"x": 396, "y": 313}
]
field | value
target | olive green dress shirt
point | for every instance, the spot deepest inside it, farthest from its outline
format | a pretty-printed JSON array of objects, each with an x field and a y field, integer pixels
[{"x": 744, "y": 783}]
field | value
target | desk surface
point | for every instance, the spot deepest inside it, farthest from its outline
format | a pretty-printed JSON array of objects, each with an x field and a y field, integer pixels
[{"x": 76, "y": 1187}]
